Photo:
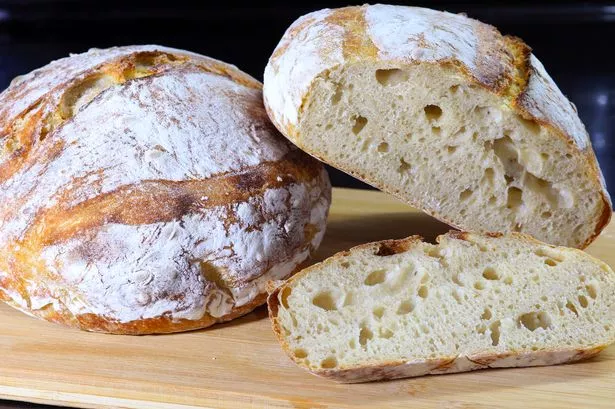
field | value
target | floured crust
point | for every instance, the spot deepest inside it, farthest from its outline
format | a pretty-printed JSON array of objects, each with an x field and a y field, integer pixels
[
  {"x": 397, "y": 36},
  {"x": 145, "y": 191},
  {"x": 440, "y": 365}
]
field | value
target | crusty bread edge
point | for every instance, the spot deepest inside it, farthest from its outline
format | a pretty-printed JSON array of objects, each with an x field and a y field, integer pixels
[
  {"x": 444, "y": 365},
  {"x": 525, "y": 71},
  {"x": 292, "y": 133}
]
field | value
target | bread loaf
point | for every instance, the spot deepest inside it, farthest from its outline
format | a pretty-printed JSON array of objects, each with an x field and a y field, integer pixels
[
  {"x": 143, "y": 190},
  {"x": 443, "y": 112},
  {"x": 404, "y": 308}
]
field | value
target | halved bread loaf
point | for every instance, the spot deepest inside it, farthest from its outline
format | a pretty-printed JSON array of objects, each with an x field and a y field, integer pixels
[
  {"x": 445, "y": 113},
  {"x": 403, "y": 308}
]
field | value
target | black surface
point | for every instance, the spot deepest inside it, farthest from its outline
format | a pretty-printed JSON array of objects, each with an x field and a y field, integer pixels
[{"x": 572, "y": 39}]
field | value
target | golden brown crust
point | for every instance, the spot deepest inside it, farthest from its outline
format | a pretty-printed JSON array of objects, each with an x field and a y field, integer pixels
[
  {"x": 156, "y": 201},
  {"x": 159, "y": 325},
  {"x": 62, "y": 265}
]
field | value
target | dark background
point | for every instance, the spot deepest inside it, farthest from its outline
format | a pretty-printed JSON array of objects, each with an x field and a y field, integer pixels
[{"x": 574, "y": 40}]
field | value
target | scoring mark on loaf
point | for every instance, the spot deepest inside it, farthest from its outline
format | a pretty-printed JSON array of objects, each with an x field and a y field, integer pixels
[
  {"x": 56, "y": 92},
  {"x": 204, "y": 262},
  {"x": 138, "y": 178},
  {"x": 96, "y": 155},
  {"x": 159, "y": 201}
]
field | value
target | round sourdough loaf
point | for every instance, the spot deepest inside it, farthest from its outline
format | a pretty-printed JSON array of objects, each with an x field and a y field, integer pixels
[
  {"x": 143, "y": 190},
  {"x": 443, "y": 112}
]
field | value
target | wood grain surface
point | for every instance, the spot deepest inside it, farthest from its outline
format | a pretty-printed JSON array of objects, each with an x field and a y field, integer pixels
[{"x": 240, "y": 364}]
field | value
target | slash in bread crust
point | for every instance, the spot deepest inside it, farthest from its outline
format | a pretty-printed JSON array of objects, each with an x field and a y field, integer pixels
[{"x": 143, "y": 190}]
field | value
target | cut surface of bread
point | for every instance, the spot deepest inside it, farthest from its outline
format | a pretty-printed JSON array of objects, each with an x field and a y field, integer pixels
[
  {"x": 403, "y": 308},
  {"x": 468, "y": 127}
]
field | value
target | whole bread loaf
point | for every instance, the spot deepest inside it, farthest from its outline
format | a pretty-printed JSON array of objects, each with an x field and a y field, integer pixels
[
  {"x": 144, "y": 190},
  {"x": 402, "y": 308},
  {"x": 443, "y": 112}
]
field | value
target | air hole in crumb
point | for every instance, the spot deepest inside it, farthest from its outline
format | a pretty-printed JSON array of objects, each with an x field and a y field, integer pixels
[
  {"x": 531, "y": 126},
  {"x": 349, "y": 299},
  {"x": 378, "y": 312},
  {"x": 451, "y": 149},
  {"x": 544, "y": 298},
  {"x": 385, "y": 333},
  {"x": 325, "y": 301},
  {"x": 436, "y": 130},
  {"x": 300, "y": 353},
  {"x": 489, "y": 175},
  {"x": 550, "y": 253},
  {"x": 481, "y": 329},
  {"x": 533, "y": 320},
  {"x": 491, "y": 274},
  {"x": 591, "y": 290},
  {"x": 403, "y": 166},
  {"x": 345, "y": 264},
  {"x": 359, "y": 124},
  {"x": 583, "y": 301},
  {"x": 337, "y": 95},
  {"x": 572, "y": 308},
  {"x": 365, "y": 335},
  {"x": 423, "y": 291},
  {"x": 432, "y": 112},
  {"x": 546, "y": 215},
  {"x": 479, "y": 285},
  {"x": 284, "y": 296},
  {"x": 383, "y": 147},
  {"x": 568, "y": 156},
  {"x": 514, "y": 198},
  {"x": 550, "y": 262},
  {"x": 486, "y": 314},
  {"x": 457, "y": 280},
  {"x": 406, "y": 307},
  {"x": 375, "y": 277},
  {"x": 495, "y": 333},
  {"x": 391, "y": 77},
  {"x": 465, "y": 194},
  {"x": 329, "y": 126},
  {"x": 352, "y": 344},
  {"x": 453, "y": 89},
  {"x": 328, "y": 363}
]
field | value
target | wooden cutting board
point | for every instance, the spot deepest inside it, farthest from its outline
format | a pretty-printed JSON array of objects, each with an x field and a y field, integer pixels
[{"x": 240, "y": 364}]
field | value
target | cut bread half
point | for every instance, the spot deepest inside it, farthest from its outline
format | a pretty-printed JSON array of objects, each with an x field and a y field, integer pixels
[
  {"x": 404, "y": 308},
  {"x": 443, "y": 112}
]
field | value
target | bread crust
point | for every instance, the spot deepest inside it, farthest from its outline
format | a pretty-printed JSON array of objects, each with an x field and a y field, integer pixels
[
  {"x": 437, "y": 366},
  {"x": 503, "y": 65},
  {"x": 176, "y": 221}
]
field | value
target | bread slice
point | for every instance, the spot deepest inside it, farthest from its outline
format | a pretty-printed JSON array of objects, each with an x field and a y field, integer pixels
[
  {"x": 403, "y": 308},
  {"x": 445, "y": 113}
]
